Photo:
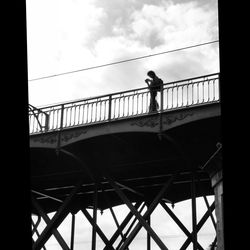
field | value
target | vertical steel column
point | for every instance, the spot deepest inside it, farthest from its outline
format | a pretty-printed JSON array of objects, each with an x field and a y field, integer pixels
[
  {"x": 148, "y": 235},
  {"x": 95, "y": 197},
  {"x": 72, "y": 232},
  {"x": 194, "y": 219}
]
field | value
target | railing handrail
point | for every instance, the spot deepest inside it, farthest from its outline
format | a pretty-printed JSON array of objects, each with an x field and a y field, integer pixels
[
  {"x": 129, "y": 103},
  {"x": 121, "y": 92}
]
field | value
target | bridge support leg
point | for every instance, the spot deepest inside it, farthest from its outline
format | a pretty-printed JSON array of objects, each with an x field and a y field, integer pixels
[
  {"x": 198, "y": 227},
  {"x": 72, "y": 232},
  {"x": 131, "y": 225},
  {"x": 98, "y": 230},
  {"x": 179, "y": 223},
  {"x": 140, "y": 218},
  {"x": 56, "y": 220},
  {"x": 95, "y": 200},
  {"x": 47, "y": 220},
  {"x": 214, "y": 168},
  {"x": 194, "y": 219},
  {"x": 148, "y": 235}
]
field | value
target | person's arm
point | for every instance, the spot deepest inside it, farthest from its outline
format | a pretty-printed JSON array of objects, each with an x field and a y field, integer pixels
[{"x": 148, "y": 81}]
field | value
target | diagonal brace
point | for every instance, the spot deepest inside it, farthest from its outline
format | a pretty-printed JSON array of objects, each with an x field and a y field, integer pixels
[
  {"x": 98, "y": 230},
  {"x": 57, "y": 218},
  {"x": 199, "y": 226},
  {"x": 141, "y": 219},
  {"x": 178, "y": 222},
  {"x": 151, "y": 208},
  {"x": 47, "y": 220}
]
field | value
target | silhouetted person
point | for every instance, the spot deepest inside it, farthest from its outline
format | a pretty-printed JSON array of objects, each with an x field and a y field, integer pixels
[{"x": 154, "y": 85}]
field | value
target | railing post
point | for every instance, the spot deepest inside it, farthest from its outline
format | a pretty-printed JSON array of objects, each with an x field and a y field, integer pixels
[
  {"x": 110, "y": 107},
  {"x": 60, "y": 128},
  {"x": 46, "y": 127},
  {"x": 160, "y": 114}
]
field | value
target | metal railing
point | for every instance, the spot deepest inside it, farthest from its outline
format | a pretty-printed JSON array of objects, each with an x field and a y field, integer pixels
[{"x": 106, "y": 108}]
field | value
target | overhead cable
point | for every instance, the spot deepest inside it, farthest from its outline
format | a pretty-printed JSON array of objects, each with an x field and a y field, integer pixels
[{"x": 123, "y": 61}]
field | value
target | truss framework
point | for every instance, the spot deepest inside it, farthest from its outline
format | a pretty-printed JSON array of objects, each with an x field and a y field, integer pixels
[{"x": 141, "y": 219}]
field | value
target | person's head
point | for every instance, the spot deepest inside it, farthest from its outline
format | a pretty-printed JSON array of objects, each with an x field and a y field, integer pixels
[{"x": 151, "y": 74}]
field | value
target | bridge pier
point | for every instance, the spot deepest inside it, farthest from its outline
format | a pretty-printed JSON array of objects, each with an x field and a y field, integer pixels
[{"x": 214, "y": 168}]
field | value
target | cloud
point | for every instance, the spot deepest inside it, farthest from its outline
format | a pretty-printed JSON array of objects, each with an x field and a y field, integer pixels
[{"x": 83, "y": 34}]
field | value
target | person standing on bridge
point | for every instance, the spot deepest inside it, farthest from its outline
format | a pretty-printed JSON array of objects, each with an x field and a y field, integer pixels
[{"x": 154, "y": 84}]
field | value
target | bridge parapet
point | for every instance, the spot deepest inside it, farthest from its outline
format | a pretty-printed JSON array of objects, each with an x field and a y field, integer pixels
[{"x": 106, "y": 108}]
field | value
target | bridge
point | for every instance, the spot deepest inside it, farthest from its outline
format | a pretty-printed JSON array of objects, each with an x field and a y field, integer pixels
[{"x": 109, "y": 150}]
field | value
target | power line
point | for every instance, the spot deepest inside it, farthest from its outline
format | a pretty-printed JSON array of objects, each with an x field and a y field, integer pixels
[{"x": 123, "y": 61}]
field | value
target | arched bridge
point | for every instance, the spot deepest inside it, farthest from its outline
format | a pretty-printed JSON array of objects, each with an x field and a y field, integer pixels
[
  {"x": 108, "y": 150},
  {"x": 117, "y": 132}
]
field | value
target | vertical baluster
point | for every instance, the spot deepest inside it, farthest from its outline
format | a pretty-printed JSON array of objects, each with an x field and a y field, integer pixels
[
  {"x": 70, "y": 115},
  {"x": 182, "y": 95},
  {"x": 87, "y": 112},
  {"x": 91, "y": 114},
  {"x": 75, "y": 112},
  {"x": 96, "y": 104},
  {"x": 137, "y": 103},
  {"x": 57, "y": 118},
  {"x": 198, "y": 93},
  {"x": 105, "y": 110},
  {"x": 128, "y": 98},
  {"x": 147, "y": 98},
  {"x": 177, "y": 96},
  {"x": 203, "y": 89},
  {"x": 110, "y": 107},
  {"x": 100, "y": 111},
  {"x": 214, "y": 90},
  {"x": 172, "y": 98},
  {"x": 83, "y": 113},
  {"x": 167, "y": 90},
  {"x": 208, "y": 90},
  {"x": 79, "y": 114},
  {"x": 133, "y": 99},
  {"x": 192, "y": 91},
  {"x": 122, "y": 106},
  {"x": 119, "y": 106},
  {"x": 62, "y": 116}
]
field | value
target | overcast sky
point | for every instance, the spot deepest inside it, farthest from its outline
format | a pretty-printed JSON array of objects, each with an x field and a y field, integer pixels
[{"x": 69, "y": 35}]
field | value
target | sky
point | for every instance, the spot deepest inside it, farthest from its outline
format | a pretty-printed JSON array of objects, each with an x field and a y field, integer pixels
[{"x": 71, "y": 35}]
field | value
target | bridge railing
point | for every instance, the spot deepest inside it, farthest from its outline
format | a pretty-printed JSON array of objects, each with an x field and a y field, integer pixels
[{"x": 105, "y": 108}]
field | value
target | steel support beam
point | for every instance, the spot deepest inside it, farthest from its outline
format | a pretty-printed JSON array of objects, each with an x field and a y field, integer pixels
[
  {"x": 35, "y": 225},
  {"x": 98, "y": 230},
  {"x": 148, "y": 235},
  {"x": 47, "y": 220},
  {"x": 194, "y": 216},
  {"x": 95, "y": 200},
  {"x": 137, "y": 215},
  {"x": 122, "y": 226},
  {"x": 198, "y": 227},
  {"x": 72, "y": 232},
  {"x": 211, "y": 214},
  {"x": 179, "y": 223},
  {"x": 57, "y": 218},
  {"x": 141, "y": 219}
]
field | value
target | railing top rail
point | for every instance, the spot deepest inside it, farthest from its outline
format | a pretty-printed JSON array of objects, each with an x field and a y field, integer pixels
[{"x": 127, "y": 91}]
